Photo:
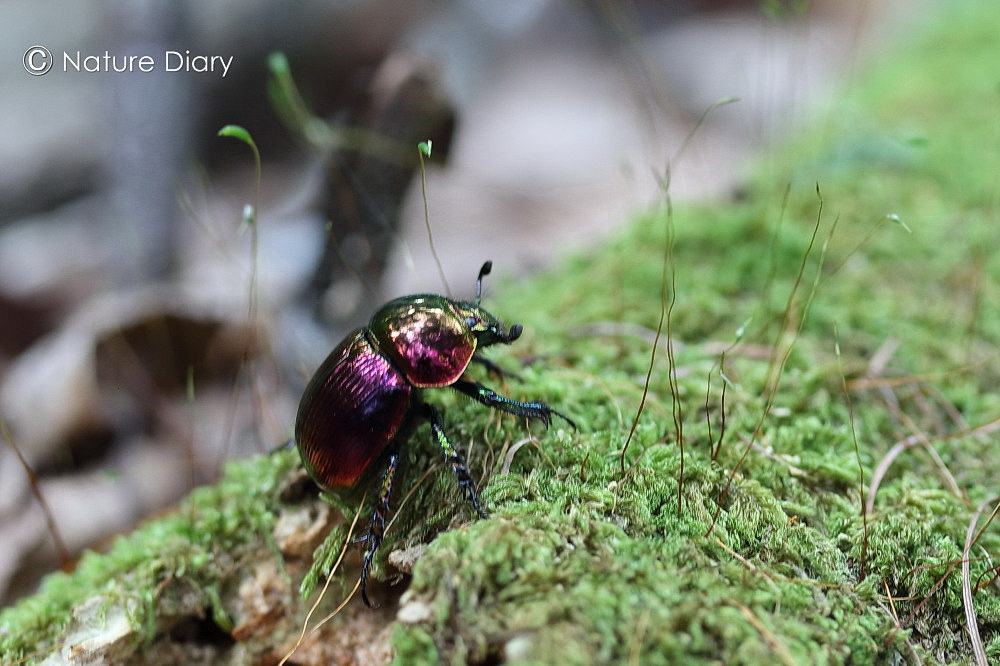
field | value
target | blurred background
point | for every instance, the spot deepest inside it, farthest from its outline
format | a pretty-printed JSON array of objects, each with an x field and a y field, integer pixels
[{"x": 150, "y": 329}]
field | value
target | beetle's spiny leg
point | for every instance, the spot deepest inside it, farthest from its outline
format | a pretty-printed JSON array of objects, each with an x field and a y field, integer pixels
[
  {"x": 376, "y": 528},
  {"x": 490, "y": 398},
  {"x": 465, "y": 481}
]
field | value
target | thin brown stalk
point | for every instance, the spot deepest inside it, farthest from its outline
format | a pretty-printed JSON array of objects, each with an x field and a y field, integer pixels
[{"x": 971, "y": 623}]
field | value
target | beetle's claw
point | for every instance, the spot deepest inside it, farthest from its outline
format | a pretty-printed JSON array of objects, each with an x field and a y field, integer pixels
[
  {"x": 473, "y": 499},
  {"x": 364, "y": 591},
  {"x": 546, "y": 417},
  {"x": 564, "y": 418}
]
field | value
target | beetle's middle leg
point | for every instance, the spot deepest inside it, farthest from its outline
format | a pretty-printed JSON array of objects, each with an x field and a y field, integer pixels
[
  {"x": 376, "y": 528},
  {"x": 465, "y": 481}
]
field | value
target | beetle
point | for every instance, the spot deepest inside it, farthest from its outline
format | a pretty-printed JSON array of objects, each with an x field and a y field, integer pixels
[{"x": 363, "y": 401}]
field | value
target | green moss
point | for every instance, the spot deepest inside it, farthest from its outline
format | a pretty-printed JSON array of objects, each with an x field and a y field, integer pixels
[
  {"x": 583, "y": 565},
  {"x": 166, "y": 566},
  {"x": 758, "y": 553}
]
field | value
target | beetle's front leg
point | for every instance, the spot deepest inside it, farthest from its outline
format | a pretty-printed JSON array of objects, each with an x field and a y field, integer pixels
[
  {"x": 465, "y": 481},
  {"x": 376, "y": 528},
  {"x": 493, "y": 368},
  {"x": 490, "y": 398}
]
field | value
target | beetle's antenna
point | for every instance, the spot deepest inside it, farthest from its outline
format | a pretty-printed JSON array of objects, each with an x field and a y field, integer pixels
[{"x": 485, "y": 270}]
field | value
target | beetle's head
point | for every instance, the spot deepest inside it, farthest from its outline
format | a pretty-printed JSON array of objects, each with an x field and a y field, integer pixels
[
  {"x": 482, "y": 324},
  {"x": 485, "y": 326}
]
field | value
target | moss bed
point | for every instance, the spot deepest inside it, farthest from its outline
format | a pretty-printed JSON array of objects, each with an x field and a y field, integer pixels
[{"x": 834, "y": 332}]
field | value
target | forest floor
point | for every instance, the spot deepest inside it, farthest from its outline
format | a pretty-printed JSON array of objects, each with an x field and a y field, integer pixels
[{"x": 811, "y": 479}]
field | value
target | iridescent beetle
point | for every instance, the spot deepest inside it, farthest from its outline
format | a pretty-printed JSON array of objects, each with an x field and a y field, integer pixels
[{"x": 361, "y": 404}]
